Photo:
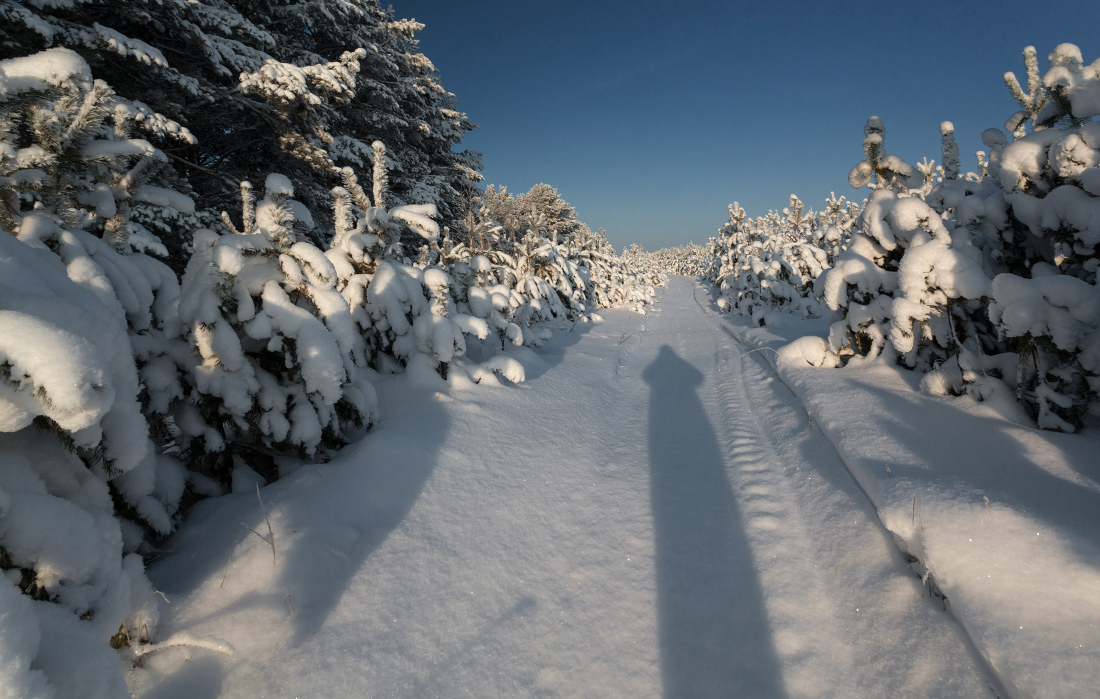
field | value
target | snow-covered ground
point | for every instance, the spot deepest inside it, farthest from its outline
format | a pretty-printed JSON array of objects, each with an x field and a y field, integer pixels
[
  {"x": 652, "y": 512},
  {"x": 1006, "y": 517}
]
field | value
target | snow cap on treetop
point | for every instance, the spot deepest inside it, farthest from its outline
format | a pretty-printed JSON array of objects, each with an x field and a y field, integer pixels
[{"x": 278, "y": 184}]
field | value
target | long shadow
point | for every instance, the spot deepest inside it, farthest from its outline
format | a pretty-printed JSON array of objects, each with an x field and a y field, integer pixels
[
  {"x": 437, "y": 679},
  {"x": 343, "y": 510},
  {"x": 713, "y": 632},
  {"x": 536, "y": 362},
  {"x": 986, "y": 461},
  {"x": 334, "y": 515},
  {"x": 346, "y": 515},
  {"x": 553, "y": 352}
]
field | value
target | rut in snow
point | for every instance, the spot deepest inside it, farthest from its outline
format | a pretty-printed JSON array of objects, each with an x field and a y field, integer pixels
[{"x": 804, "y": 523}]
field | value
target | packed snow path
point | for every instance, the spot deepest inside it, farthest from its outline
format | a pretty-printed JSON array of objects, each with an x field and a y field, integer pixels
[{"x": 651, "y": 514}]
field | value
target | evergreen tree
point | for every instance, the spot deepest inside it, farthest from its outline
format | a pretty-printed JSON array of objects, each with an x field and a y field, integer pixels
[
  {"x": 83, "y": 312},
  {"x": 276, "y": 354},
  {"x": 305, "y": 88},
  {"x": 544, "y": 200}
]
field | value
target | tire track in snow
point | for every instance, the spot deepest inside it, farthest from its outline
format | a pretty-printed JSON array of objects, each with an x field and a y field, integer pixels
[
  {"x": 778, "y": 533},
  {"x": 841, "y": 599}
]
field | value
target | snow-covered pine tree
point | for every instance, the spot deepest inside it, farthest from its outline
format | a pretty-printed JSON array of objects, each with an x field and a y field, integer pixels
[
  {"x": 70, "y": 172},
  {"x": 277, "y": 358},
  {"x": 611, "y": 286},
  {"x": 917, "y": 278},
  {"x": 504, "y": 210},
  {"x": 559, "y": 264},
  {"x": 837, "y": 219},
  {"x": 689, "y": 260},
  {"x": 1041, "y": 226},
  {"x": 771, "y": 262},
  {"x": 560, "y": 218},
  {"x": 408, "y": 314},
  {"x": 478, "y": 231},
  {"x": 885, "y": 293}
]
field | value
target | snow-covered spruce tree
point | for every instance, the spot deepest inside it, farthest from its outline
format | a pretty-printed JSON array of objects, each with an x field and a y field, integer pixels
[
  {"x": 276, "y": 361},
  {"x": 260, "y": 81},
  {"x": 80, "y": 481}
]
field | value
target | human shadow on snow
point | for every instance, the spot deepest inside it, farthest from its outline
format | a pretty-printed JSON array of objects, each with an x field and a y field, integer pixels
[{"x": 713, "y": 631}]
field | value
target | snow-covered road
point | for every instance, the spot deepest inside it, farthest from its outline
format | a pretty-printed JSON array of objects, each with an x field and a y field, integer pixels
[{"x": 651, "y": 513}]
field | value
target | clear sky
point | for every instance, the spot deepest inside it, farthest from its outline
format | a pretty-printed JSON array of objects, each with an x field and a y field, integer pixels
[{"x": 650, "y": 117}]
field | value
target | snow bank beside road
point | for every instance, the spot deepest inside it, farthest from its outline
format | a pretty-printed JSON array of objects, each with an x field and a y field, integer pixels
[{"x": 1006, "y": 518}]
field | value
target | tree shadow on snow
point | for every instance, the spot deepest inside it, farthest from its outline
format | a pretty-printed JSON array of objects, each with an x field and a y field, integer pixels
[
  {"x": 992, "y": 459},
  {"x": 437, "y": 678},
  {"x": 536, "y": 362},
  {"x": 554, "y": 350},
  {"x": 712, "y": 628},
  {"x": 344, "y": 516}
]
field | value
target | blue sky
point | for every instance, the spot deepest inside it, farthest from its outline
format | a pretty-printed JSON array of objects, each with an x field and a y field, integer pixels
[{"x": 650, "y": 118}]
